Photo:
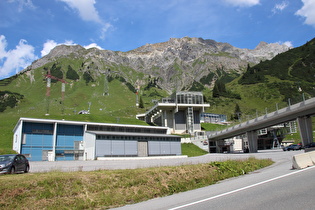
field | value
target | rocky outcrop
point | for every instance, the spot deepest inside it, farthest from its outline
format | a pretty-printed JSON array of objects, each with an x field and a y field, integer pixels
[{"x": 175, "y": 64}]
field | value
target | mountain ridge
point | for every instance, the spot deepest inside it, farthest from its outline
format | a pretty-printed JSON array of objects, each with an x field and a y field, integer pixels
[{"x": 176, "y": 63}]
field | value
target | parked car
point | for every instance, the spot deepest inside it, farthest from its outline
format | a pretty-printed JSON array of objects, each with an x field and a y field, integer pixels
[
  {"x": 292, "y": 147},
  {"x": 310, "y": 145},
  {"x": 13, "y": 163}
]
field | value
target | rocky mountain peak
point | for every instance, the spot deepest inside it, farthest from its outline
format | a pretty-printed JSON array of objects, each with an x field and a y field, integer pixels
[
  {"x": 176, "y": 63},
  {"x": 65, "y": 50}
]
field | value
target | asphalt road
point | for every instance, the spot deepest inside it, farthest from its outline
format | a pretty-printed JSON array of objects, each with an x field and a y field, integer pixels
[
  {"x": 290, "y": 191},
  {"x": 274, "y": 187}
]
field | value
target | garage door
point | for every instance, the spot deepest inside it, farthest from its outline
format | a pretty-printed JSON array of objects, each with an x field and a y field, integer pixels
[{"x": 112, "y": 148}]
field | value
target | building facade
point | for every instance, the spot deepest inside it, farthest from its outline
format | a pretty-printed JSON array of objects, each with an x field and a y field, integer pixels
[
  {"x": 213, "y": 118},
  {"x": 181, "y": 112},
  {"x": 54, "y": 140}
]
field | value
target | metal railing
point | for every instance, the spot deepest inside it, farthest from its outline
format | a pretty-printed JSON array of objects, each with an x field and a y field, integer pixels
[{"x": 256, "y": 118}]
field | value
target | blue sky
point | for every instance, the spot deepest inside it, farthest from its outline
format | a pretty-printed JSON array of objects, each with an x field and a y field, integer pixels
[{"x": 29, "y": 29}]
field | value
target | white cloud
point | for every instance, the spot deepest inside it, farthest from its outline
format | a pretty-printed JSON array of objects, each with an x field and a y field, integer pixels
[
  {"x": 51, "y": 44},
  {"x": 3, "y": 45},
  {"x": 280, "y": 7},
  {"x": 86, "y": 9},
  {"x": 308, "y": 11},
  {"x": 15, "y": 60},
  {"x": 104, "y": 30},
  {"x": 22, "y": 4},
  {"x": 287, "y": 43},
  {"x": 88, "y": 12},
  {"x": 48, "y": 46},
  {"x": 93, "y": 45},
  {"x": 242, "y": 3}
]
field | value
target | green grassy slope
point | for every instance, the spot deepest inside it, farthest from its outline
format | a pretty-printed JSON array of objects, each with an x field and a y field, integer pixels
[{"x": 119, "y": 106}]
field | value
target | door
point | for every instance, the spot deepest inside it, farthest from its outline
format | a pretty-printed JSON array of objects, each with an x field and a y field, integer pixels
[
  {"x": 142, "y": 148},
  {"x": 45, "y": 155},
  {"x": 17, "y": 163}
]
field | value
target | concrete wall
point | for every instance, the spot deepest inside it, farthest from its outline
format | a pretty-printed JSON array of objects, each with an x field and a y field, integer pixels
[
  {"x": 303, "y": 160},
  {"x": 17, "y": 138},
  {"x": 89, "y": 143}
]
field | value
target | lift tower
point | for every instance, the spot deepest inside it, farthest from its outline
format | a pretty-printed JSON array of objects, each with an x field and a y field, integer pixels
[{"x": 48, "y": 77}]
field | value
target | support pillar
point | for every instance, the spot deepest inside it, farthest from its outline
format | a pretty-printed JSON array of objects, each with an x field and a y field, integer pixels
[
  {"x": 164, "y": 118},
  {"x": 53, "y": 154},
  {"x": 252, "y": 137},
  {"x": 306, "y": 131}
]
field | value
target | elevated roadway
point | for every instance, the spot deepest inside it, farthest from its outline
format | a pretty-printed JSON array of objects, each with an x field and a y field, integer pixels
[{"x": 301, "y": 112}]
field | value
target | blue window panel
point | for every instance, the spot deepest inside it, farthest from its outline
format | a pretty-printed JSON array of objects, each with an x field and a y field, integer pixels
[
  {"x": 67, "y": 141},
  {"x": 47, "y": 148},
  {"x": 60, "y": 140},
  {"x": 35, "y": 153},
  {"x": 69, "y": 156},
  {"x": 47, "y": 140},
  {"x": 59, "y": 158},
  {"x": 73, "y": 130},
  {"x": 65, "y": 157},
  {"x": 29, "y": 127},
  {"x": 26, "y": 150},
  {"x": 38, "y": 140}
]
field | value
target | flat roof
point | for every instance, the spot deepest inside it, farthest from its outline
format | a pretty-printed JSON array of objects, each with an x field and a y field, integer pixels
[
  {"x": 130, "y": 134},
  {"x": 22, "y": 119}
]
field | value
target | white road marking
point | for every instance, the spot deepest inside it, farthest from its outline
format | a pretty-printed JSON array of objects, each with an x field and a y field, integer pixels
[{"x": 240, "y": 189}]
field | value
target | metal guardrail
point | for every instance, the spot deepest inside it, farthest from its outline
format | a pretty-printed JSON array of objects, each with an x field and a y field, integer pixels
[{"x": 304, "y": 108}]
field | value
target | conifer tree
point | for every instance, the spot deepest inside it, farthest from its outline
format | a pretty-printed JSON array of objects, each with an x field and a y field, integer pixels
[{"x": 72, "y": 74}]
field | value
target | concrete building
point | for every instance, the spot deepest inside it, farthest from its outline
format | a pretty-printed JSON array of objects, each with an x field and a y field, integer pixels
[
  {"x": 181, "y": 112},
  {"x": 213, "y": 118},
  {"x": 51, "y": 140}
]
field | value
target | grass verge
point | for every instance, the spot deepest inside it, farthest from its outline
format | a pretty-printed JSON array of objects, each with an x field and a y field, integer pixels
[
  {"x": 112, "y": 188},
  {"x": 192, "y": 150}
]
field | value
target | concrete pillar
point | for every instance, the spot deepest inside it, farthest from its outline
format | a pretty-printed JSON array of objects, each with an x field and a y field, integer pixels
[
  {"x": 53, "y": 153},
  {"x": 164, "y": 118},
  {"x": 306, "y": 131},
  {"x": 252, "y": 137}
]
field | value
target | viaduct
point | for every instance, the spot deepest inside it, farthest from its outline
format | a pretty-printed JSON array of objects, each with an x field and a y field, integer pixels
[{"x": 302, "y": 112}]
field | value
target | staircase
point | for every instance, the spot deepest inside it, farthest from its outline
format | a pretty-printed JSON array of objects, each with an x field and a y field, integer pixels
[{"x": 190, "y": 120}]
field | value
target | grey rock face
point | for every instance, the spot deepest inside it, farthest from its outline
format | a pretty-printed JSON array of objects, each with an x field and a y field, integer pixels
[{"x": 176, "y": 63}]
